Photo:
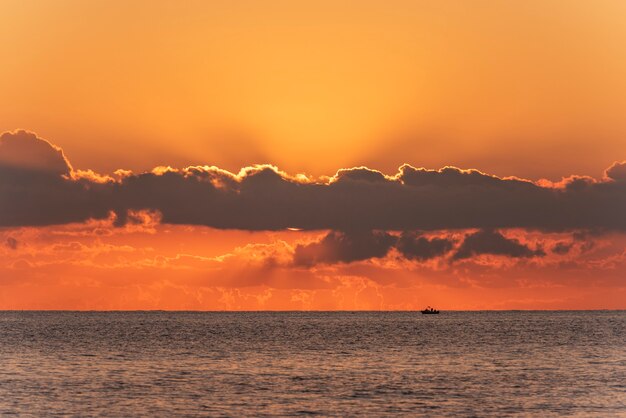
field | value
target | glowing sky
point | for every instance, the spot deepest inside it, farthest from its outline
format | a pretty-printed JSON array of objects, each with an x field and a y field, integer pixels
[{"x": 531, "y": 89}]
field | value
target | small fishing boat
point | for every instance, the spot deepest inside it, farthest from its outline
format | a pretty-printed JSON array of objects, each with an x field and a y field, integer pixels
[{"x": 430, "y": 311}]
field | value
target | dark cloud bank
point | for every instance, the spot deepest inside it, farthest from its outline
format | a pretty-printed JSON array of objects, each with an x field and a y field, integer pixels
[{"x": 38, "y": 187}]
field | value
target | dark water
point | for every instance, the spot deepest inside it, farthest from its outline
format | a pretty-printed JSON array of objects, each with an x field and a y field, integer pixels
[{"x": 366, "y": 364}]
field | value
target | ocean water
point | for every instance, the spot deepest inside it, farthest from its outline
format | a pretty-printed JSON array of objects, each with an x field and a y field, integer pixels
[{"x": 301, "y": 363}]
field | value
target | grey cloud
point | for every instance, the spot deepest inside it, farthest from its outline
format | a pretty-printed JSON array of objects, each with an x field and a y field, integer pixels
[
  {"x": 617, "y": 171},
  {"x": 11, "y": 243},
  {"x": 493, "y": 242},
  {"x": 344, "y": 247},
  {"x": 415, "y": 247},
  {"x": 562, "y": 247},
  {"x": 349, "y": 246},
  {"x": 24, "y": 150}
]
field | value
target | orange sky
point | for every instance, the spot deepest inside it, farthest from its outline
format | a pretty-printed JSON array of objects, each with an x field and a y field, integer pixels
[
  {"x": 533, "y": 89},
  {"x": 317, "y": 85}
]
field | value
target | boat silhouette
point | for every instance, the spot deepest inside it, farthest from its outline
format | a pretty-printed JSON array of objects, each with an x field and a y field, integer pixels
[{"x": 430, "y": 311}]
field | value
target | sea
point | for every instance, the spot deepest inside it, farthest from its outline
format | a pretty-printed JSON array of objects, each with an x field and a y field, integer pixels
[{"x": 124, "y": 364}]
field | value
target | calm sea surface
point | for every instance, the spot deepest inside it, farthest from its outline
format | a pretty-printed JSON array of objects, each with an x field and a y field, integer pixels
[{"x": 338, "y": 364}]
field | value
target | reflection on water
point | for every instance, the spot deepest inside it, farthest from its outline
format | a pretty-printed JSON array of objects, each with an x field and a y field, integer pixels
[{"x": 366, "y": 363}]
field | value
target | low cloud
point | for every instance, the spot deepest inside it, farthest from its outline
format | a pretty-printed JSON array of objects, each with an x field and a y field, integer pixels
[
  {"x": 415, "y": 247},
  {"x": 347, "y": 247},
  {"x": 494, "y": 243},
  {"x": 342, "y": 247}
]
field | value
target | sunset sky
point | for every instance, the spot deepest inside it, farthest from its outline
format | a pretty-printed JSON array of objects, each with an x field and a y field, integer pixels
[{"x": 252, "y": 155}]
